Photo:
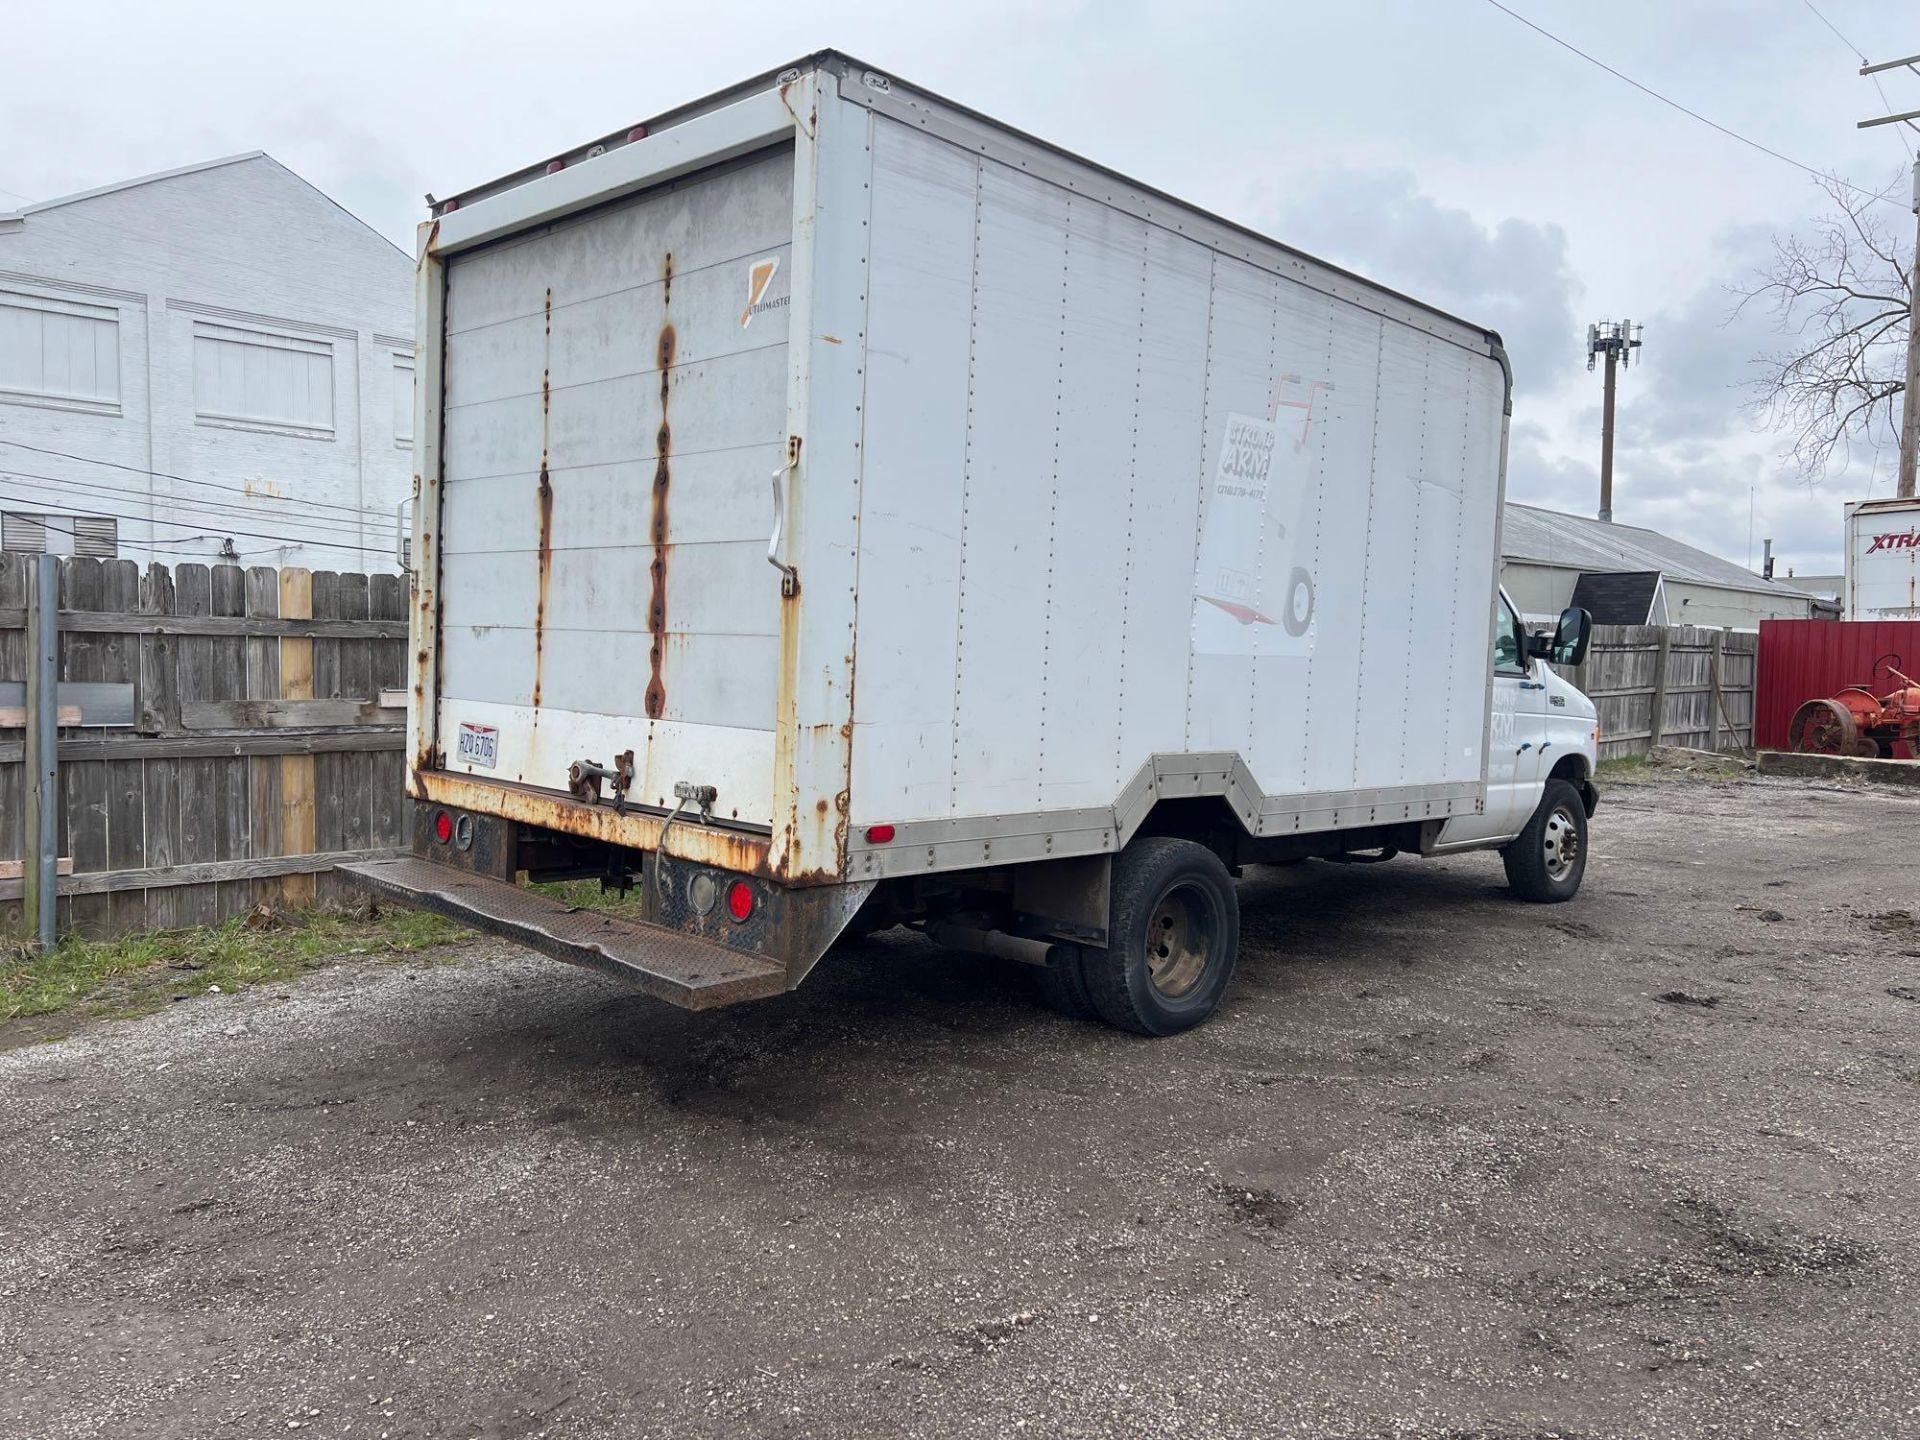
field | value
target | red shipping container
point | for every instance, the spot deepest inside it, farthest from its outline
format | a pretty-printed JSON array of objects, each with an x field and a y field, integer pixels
[{"x": 1803, "y": 660}]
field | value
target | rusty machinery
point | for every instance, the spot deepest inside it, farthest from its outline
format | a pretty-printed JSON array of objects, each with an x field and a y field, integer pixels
[{"x": 1856, "y": 721}]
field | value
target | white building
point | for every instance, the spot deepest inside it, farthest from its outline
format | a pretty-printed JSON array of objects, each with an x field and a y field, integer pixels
[{"x": 214, "y": 362}]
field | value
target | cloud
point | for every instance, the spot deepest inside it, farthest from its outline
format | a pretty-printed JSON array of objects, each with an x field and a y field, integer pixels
[
  {"x": 1513, "y": 276},
  {"x": 1695, "y": 491}
]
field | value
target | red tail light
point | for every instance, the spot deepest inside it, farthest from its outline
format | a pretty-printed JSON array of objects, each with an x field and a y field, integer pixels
[
  {"x": 442, "y": 827},
  {"x": 879, "y": 834},
  {"x": 740, "y": 900}
]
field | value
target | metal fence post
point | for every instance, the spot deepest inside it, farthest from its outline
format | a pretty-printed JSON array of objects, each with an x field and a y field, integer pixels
[{"x": 42, "y": 851}]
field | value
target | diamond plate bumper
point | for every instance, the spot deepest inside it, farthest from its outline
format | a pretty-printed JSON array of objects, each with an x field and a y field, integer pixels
[{"x": 684, "y": 970}]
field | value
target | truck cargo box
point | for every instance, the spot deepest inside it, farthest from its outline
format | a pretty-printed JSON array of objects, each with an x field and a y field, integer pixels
[{"x": 825, "y": 483}]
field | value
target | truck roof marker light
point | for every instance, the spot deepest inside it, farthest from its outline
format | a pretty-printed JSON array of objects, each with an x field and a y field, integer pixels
[
  {"x": 879, "y": 834},
  {"x": 554, "y": 167},
  {"x": 740, "y": 900},
  {"x": 638, "y": 132}
]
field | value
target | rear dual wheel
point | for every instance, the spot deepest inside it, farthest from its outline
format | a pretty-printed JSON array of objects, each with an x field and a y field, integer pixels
[{"x": 1173, "y": 933}]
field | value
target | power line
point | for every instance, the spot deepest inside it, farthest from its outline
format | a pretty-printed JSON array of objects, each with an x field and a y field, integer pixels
[
  {"x": 262, "y": 511},
  {"x": 183, "y": 479},
  {"x": 45, "y": 522},
  {"x": 215, "y": 510},
  {"x": 37, "y": 503},
  {"x": 1692, "y": 114},
  {"x": 1905, "y": 144},
  {"x": 1835, "y": 29}
]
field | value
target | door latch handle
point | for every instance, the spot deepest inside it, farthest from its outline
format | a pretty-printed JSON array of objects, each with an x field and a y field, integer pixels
[{"x": 789, "y": 576}]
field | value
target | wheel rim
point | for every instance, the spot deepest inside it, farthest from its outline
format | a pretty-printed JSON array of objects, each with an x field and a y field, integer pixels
[
  {"x": 1823, "y": 727},
  {"x": 1562, "y": 842},
  {"x": 1179, "y": 941}
]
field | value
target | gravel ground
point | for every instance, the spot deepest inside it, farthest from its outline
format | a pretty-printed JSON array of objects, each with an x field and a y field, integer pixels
[{"x": 1444, "y": 1166}]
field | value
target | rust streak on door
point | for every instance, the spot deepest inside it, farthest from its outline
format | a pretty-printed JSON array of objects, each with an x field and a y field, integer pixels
[
  {"x": 658, "y": 530},
  {"x": 545, "y": 503}
]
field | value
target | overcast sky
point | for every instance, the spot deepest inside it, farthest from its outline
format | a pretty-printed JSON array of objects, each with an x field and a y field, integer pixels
[{"x": 1436, "y": 145}]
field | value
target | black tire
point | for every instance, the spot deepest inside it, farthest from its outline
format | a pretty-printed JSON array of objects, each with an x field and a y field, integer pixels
[
  {"x": 1547, "y": 860},
  {"x": 1063, "y": 985},
  {"x": 1173, "y": 935}
]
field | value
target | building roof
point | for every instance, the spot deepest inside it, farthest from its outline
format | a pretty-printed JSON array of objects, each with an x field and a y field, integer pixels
[
  {"x": 1533, "y": 536},
  {"x": 1817, "y": 584},
  {"x": 12, "y": 219},
  {"x": 100, "y": 190}
]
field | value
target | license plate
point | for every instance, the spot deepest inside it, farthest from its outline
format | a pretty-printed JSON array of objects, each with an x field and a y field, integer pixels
[{"x": 479, "y": 745}]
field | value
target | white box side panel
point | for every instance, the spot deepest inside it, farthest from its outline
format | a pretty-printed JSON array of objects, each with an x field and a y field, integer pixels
[
  {"x": 1285, "y": 665},
  {"x": 1020, "y": 272},
  {"x": 1341, "y": 487},
  {"x": 1883, "y": 562},
  {"x": 1089, "y": 532},
  {"x": 1168, "y": 414},
  {"x": 913, "y": 480},
  {"x": 1195, "y": 507}
]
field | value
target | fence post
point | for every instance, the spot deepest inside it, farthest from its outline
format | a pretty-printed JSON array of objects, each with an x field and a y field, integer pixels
[
  {"x": 1657, "y": 721},
  {"x": 1715, "y": 671},
  {"x": 41, "y": 855}
]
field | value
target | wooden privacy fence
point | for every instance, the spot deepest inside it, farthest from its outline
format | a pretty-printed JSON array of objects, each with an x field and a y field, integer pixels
[
  {"x": 1669, "y": 685},
  {"x": 258, "y": 751}
]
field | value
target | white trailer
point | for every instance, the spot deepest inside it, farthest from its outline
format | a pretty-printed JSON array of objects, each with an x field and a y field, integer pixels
[
  {"x": 838, "y": 509},
  {"x": 1883, "y": 560}
]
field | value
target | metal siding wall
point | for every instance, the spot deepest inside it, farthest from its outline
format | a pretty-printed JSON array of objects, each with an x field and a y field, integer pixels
[{"x": 1803, "y": 660}]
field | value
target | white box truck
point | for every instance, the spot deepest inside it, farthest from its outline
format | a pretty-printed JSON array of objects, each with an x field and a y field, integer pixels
[
  {"x": 1883, "y": 559},
  {"x": 839, "y": 510}
]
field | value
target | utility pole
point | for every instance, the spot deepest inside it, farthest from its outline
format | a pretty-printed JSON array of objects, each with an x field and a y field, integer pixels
[
  {"x": 1617, "y": 340},
  {"x": 1910, "y": 395}
]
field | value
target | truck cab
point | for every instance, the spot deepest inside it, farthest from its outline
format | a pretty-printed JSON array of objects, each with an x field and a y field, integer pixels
[{"x": 1542, "y": 735}]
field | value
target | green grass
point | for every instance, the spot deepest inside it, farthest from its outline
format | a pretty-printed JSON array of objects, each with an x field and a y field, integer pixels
[
  {"x": 1622, "y": 767},
  {"x": 142, "y": 973},
  {"x": 587, "y": 895}
]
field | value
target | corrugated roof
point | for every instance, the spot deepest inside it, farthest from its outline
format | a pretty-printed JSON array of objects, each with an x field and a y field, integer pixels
[{"x": 1575, "y": 542}]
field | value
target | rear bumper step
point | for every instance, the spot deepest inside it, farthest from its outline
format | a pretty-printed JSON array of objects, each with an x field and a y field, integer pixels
[{"x": 681, "y": 969}]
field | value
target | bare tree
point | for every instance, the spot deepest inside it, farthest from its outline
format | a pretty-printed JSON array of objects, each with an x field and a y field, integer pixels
[{"x": 1840, "y": 295}]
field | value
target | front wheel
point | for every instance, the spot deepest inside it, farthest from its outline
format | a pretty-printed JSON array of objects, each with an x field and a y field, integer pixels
[
  {"x": 1173, "y": 933},
  {"x": 1547, "y": 860}
]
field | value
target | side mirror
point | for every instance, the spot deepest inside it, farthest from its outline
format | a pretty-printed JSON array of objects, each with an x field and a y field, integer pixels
[{"x": 1571, "y": 637}]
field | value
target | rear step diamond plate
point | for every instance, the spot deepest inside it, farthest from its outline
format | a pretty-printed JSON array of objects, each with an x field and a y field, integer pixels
[{"x": 683, "y": 969}]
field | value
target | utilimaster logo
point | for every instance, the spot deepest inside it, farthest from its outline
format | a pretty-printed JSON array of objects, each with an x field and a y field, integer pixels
[{"x": 759, "y": 277}]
